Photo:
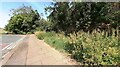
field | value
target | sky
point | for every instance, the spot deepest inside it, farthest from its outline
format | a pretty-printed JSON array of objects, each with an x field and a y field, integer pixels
[{"x": 5, "y": 8}]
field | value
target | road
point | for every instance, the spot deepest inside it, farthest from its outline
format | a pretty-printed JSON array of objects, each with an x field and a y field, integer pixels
[
  {"x": 7, "y": 41},
  {"x": 32, "y": 51}
]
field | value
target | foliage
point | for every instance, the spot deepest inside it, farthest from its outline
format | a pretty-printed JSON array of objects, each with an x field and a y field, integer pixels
[
  {"x": 73, "y": 16},
  {"x": 86, "y": 48},
  {"x": 57, "y": 41},
  {"x": 42, "y": 25},
  {"x": 23, "y": 20},
  {"x": 94, "y": 49},
  {"x": 114, "y": 14},
  {"x": 42, "y": 34}
]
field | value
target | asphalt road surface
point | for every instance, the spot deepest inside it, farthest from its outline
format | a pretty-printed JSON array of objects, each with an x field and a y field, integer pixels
[{"x": 7, "y": 41}]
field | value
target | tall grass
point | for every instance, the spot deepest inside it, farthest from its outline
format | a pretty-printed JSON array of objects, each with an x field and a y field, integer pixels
[
  {"x": 58, "y": 41},
  {"x": 86, "y": 48}
]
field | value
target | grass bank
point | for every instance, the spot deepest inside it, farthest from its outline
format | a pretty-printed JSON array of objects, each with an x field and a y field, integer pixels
[
  {"x": 85, "y": 48},
  {"x": 58, "y": 41}
]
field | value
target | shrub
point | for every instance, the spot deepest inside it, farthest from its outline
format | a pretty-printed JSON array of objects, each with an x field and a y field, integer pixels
[
  {"x": 42, "y": 34},
  {"x": 90, "y": 49}
]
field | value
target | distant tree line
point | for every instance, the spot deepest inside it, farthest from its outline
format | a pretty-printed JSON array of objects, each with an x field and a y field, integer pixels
[{"x": 67, "y": 17}]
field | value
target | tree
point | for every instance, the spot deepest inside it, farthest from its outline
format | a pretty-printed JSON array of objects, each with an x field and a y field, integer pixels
[
  {"x": 23, "y": 20},
  {"x": 58, "y": 16},
  {"x": 44, "y": 25},
  {"x": 74, "y": 16}
]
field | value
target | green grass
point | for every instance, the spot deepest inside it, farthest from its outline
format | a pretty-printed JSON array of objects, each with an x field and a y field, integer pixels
[
  {"x": 85, "y": 48},
  {"x": 56, "y": 42},
  {"x": 53, "y": 39},
  {"x": 41, "y": 34}
]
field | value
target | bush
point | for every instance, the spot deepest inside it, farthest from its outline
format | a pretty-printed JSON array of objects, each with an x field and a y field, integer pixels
[
  {"x": 98, "y": 49},
  {"x": 42, "y": 34}
]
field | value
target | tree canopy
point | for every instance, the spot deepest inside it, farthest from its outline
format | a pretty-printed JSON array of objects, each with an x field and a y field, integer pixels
[
  {"x": 24, "y": 20},
  {"x": 67, "y": 17},
  {"x": 74, "y": 16}
]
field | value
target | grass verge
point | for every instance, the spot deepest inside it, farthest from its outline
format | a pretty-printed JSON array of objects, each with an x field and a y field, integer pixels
[{"x": 86, "y": 48}]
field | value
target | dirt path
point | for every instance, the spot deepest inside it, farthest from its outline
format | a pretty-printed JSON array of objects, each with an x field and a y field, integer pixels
[{"x": 36, "y": 52}]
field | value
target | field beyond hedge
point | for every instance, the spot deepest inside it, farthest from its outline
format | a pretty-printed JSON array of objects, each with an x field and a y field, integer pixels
[
  {"x": 86, "y": 48},
  {"x": 2, "y": 31}
]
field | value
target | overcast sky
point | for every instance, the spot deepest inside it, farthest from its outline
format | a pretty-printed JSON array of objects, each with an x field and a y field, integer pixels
[{"x": 5, "y": 8}]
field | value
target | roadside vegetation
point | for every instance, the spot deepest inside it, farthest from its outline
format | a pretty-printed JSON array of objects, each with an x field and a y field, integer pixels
[
  {"x": 85, "y": 48},
  {"x": 58, "y": 41},
  {"x": 2, "y": 31},
  {"x": 90, "y": 32}
]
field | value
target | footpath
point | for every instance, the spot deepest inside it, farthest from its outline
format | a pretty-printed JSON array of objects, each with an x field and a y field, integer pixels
[{"x": 36, "y": 52}]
